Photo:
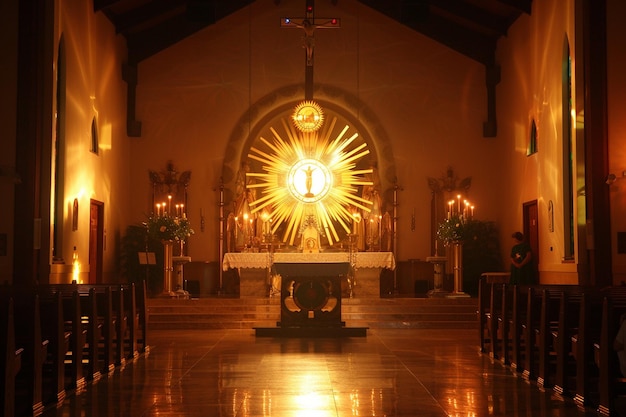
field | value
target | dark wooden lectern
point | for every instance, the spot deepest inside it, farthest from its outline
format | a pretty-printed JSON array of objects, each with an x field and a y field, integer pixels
[{"x": 311, "y": 301}]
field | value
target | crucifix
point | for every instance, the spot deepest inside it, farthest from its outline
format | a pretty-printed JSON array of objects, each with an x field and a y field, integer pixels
[{"x": 309, "y": 24}]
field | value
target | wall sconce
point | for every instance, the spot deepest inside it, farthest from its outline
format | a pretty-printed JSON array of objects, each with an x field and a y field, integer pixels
[{"x": 611, "y": 178}]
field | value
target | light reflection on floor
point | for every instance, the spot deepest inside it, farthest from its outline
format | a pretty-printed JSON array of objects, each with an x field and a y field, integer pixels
[{"x": 391, "y": 372}]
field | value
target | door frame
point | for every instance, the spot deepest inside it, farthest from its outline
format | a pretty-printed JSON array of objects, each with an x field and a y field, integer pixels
[
  {"x": 530, "y": 213},
  {"x": 96, "y": 241}
]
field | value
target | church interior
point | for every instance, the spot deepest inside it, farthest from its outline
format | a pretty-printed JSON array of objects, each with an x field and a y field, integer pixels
[{"x": 347, "y": 175}]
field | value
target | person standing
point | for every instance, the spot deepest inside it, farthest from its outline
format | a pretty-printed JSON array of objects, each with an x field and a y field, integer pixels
[{"x": 521, "y": 261}]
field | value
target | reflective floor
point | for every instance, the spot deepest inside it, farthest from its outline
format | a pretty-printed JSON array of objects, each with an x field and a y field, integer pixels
[{"x": 391, "y": 372}]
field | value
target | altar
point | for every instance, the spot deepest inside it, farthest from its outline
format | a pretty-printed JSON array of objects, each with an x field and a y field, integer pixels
[{"x": 255, "y": 275}]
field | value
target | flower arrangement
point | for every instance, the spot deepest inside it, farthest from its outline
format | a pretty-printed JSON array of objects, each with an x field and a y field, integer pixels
[
  {"x": 168, "y": 228},
  {"x": 452, "y": 229}
]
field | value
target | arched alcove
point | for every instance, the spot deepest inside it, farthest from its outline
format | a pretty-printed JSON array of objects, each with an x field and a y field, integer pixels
[{"x": 271, "y": 109}]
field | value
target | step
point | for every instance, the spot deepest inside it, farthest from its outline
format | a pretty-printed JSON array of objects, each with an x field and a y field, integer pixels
[{"x": 247, "y": 313}]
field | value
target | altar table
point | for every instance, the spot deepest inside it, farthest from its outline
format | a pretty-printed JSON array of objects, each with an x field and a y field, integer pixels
[{"x": 254, "y": 277}]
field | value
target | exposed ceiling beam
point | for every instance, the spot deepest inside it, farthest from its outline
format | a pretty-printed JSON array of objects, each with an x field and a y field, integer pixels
[
  {"x": 524, "y": 6},
  {"x": 473, "y": 14}
]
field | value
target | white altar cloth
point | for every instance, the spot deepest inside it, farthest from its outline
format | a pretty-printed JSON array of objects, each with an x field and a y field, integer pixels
[{"x": 262, "y": 260}]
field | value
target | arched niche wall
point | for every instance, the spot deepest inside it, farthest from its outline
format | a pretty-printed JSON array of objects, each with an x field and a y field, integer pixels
[{"x": 279, "y": 104}]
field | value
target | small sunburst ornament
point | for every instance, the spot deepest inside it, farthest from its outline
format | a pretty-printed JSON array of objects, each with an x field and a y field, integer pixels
[{"x": 308, "y": 116}]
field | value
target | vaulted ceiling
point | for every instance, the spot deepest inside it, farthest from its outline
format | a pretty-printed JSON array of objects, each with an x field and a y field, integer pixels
[{"x": 470, "y": 27}]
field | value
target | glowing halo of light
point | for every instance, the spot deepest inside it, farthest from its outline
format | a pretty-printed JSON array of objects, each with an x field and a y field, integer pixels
[
  {"x": 308, "y": 116},
  {"x": 312, "y": 170},
  {"x": 284, "y": 162}
]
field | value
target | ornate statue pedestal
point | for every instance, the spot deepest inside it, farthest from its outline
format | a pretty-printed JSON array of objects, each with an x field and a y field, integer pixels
[
  {"x": 178, "y": 262},
  {"x": 439, "y": 263},
  {"x": 457, "y": 248}
]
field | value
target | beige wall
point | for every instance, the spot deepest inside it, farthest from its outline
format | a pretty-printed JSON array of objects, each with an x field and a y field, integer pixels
[
  {"x": 429, "y": 101},
  {"x": 94, "y": 56},
  {"x": 531, "y": 57}
]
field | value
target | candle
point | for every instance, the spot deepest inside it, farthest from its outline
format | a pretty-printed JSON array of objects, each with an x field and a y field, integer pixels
[
  {"x": 450, "y": 208},
  {"x": 458, "y": 198},
  {"x": 157, "y": 207},
  {"x": 169, "y": 204},
  {"x": 236, "y": 227}
]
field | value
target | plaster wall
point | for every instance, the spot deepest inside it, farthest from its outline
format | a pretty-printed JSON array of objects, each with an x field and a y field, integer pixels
[
  {"x": 429, "y": 101},
  {"x": 94, "y": 56},
  {"x": 531, "y": 57}
]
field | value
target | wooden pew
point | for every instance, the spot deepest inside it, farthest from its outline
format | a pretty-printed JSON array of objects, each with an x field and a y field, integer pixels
[
  {"x": 142, "y": 314},
  {"x": 90, "y": 317},
  {"x": 493, "y": 318},
  {"x": 504, "y": 321},
  {"x": 484, "y": 294},
  {"x": 590, "y": 314},
  {"x": 53, "y": 329},
  {"x": 10, "y": 362},
  {"x": 129, "y": 317},
  {"x": 569, "y": 317},
  {"x": 548, "y": 332},
  {"x": 130, "y": 308},
  {"x": 72, "y": 317},
  {"x": 519, "y": 338},
  {"x": 610, "y": 377},
  {"x": 29, "y": 335}
]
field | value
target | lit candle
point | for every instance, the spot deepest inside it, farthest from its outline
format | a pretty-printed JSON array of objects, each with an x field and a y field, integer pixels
[
  {"x": 182, "y": 211},
  {"x": 169, "y": 204},
  {"x": 458, "y": 198},
  {"x": 236, "y": 227},
  {"x": 158, "y": 207},
  {"x": 450, "y": 208},
  {"x": 472, "y": 211},
  {"x": 380, "y": 231}
]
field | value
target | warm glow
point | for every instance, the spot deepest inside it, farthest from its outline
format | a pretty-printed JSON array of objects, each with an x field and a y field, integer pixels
[
  {"x": 308, "y": 116},
  {"x": 310, "y": 174}
]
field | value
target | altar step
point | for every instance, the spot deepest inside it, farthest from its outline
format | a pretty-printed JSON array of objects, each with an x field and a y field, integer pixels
[{"x": 247, "y": 313}]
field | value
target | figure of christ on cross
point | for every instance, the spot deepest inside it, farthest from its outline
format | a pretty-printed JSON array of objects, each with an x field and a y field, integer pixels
[{"x": 309, "y": 24}]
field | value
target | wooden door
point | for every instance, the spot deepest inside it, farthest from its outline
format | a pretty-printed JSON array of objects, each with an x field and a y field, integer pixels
[
  {"x": 96, "y": 241},
  {"x": 531, "y": 232}
]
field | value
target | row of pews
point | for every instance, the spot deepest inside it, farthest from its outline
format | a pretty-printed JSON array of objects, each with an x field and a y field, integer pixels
[
  {"x": 59, "y": 337},
  {"x": 560, "y": 336}
]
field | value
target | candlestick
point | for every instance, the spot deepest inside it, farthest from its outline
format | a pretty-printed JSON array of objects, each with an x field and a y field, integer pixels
[{"x": 380, "y": 232}]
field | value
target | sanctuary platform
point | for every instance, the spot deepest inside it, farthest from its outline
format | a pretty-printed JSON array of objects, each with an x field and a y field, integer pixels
[{"x": 374, "y": 313}]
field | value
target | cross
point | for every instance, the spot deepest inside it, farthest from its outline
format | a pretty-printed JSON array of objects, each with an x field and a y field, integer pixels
[{"x": 309, "y": 24}]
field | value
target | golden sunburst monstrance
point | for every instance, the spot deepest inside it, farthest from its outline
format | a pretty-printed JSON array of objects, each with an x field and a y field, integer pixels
[{"x": 309, "y": 174}]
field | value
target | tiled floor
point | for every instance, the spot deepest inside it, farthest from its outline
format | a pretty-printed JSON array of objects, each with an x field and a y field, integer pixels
[{"x": 391, "y": 372}]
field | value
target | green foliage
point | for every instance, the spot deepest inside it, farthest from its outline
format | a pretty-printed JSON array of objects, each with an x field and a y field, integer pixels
[
  {"x": 452, "y": 230},
  {"x": 168, "y": 228}
]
